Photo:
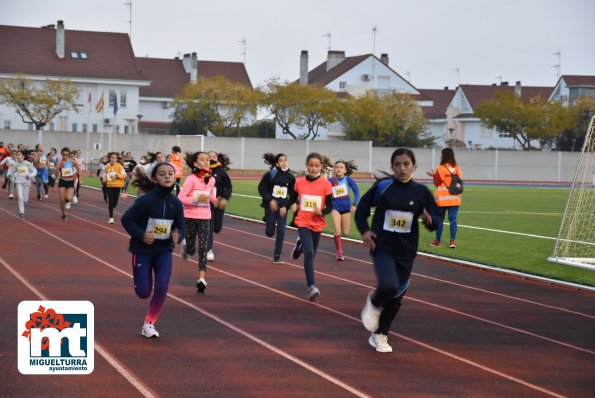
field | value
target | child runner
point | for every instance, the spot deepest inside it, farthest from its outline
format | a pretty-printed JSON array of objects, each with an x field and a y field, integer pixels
[
  {"x": 129, "y": 165},
  {"x": 342, "y": 207},
  {"x": 176, "y": 159},
  {"x": 7, "y": 163},
  {"x": 101, "y": 174},
  {"x": 115, "y": 175},
  {"x": 445, "y": 200},
  {"x": 51, "y": 171},
  {"x": 82, "y": 167},
  {"x": 155, "y": 223},
  {"x": 22, "y": 172},
  {"x": 218, "y": 165},
  {"x": 315, "y": 199},
  {"x": 66, "y": 172},
  {"x": 393, "y": 241},
  {"x": 196, "y": 195},
  {"x": 276, "y": 187},
  {"x": 41, "y": 164}
]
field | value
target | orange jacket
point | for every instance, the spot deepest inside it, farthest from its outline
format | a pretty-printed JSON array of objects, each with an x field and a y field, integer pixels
[
  {"x": 442, "y": 181},
  {"x": 115, "y": 175},
  {"x": 176, "y": 159}
]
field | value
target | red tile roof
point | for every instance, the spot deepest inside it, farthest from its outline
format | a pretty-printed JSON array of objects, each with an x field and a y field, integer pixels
[
  {"x": 476, "y": 94},
  {"x": 32, "y": 51},
  {"x": 441, "y": 100},
  {"x": 579, "y": 81},
  {"x": 168, "y": 76}
]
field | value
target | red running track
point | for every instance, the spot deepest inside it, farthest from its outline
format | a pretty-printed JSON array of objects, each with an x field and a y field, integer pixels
[{"x": 460, "y": 332}]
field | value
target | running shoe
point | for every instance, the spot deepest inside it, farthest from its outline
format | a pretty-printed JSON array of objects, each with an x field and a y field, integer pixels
[
  {"x": 370, "y": 314},
  {"x": 201, "y": 285},
  {"x": 38, "y": 196},
  {"x": 380, "y": 342},
  {"x": 210, "y": 255},
  {"x": 313, "y": 293},
  {"x": 11, "y": 196},
  {"x": 75, "y": 200},
  {"x": 67, "y": 205},
  {"x": 64, "y": 217},
  {"x": 110, "y": 221},
  {"x": 453, "y": 244},
  {"x": 340, "y": 256},
  {"x": 46, "y": 196},
  {"x": 297, "y": 250},
  {"x": 148, "y": 330},
  {"x": 277, "y": 259},
  {"x": 435, "y": 243},
  {"x": 21, "y": 216}
]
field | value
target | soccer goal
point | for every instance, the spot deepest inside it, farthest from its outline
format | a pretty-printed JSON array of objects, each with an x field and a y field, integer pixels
[
  {"x": 575, "y": 245},
  {"x": 188, "y": 143}
]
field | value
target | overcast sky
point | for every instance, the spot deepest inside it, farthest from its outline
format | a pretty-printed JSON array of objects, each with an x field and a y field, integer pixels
[{"x": 426, "y": 40}]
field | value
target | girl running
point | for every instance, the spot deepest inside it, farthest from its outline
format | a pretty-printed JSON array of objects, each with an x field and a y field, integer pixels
[
  {"x": 23, "y": 173},
  {"x": 114, "y": 178},
  {"x": 393, "y": 241},
  {"x": 196, "y": 195},
  {"x": 343, "y": 184},
  {"x": 40, "y": 163},
  {"x": 7, "y": 163},
  {"x": 51, "y": 171},
  {"x": 176, "y": 159},
  {"x": 218, "y": 164},
  {"x": 315, "y": 200},
  {"x": 155, "y": 222},
  {"x": 66, "y": 172},
  {"x": 276, "y": 187},
  {"x": 129, "y": 165},
  {"x": 101, "y": 174}
]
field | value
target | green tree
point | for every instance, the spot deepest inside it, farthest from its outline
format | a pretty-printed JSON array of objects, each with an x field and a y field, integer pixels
[
  {"x": 38, "y": 103},
  {"x": 215, "y": 104},
  {"x": 525, "y": 121},
  {"x": 389, "y": 120},
  {"x": 297, "y": 107},
  {"x": 573, "y": 138}
]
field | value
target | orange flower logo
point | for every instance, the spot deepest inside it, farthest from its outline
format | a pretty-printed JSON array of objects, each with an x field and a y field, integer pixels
[{"x": 43, "y": 319}]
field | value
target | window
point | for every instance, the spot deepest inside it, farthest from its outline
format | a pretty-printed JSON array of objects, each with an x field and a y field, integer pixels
[
  {"x": 84, "y": 55},
  {"x": 122, "y": 102},
  {"x": 504, "y": 135},
  {"x": 30, "y": 126},
  {"x": 52, "y": 126},
  {"x": 74, "y": 54},
  {"x": 112, "y": 95},
  {"x": 94, "y": 127},
  {"x": 125, "y": 129},
  {"x": 7, "y": 124},
  {"x": 84, "y": 127},
  {"x": 74, "y": 127},
  {"x": 342, "y": 85}
]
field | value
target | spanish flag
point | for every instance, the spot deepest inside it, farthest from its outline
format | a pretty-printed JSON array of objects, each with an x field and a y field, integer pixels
[{"x": 99, "y": 105}]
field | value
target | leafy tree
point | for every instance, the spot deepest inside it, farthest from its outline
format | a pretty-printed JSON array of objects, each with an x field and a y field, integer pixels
[
  {"x": 295, "y": 106},
  {"x": 525, "y": 121},
  {"x": 215, "y": 104},
  {"x": 573, "y": 138},
  {"x": 389, "y": 120},
  {"x": 38, "y": 103}
]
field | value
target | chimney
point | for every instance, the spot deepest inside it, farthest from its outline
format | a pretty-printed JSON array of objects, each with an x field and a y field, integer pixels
[
  {"x": 446, "y": 87},
  {"x": 194, "y": 68},
  {"x": 186, "y": 63},
  {"x": 334, "y": 58},
  {"x": 304, "y": 68},
  {"x": 60, "y": 39},
  {"x": 384, "y": 59},
  {"x": 504, "y": 83},
  {"x": 517, "y": 88}
]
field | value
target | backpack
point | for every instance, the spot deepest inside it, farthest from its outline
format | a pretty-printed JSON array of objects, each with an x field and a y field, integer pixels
[{"x": 456, "y": 185}]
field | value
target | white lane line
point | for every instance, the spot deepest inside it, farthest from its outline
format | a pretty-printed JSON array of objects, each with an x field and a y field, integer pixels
[{"x": 120, "y": 368}]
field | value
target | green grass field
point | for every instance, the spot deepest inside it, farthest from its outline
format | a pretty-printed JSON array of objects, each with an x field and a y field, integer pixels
[{"x": 494, "y": 222}]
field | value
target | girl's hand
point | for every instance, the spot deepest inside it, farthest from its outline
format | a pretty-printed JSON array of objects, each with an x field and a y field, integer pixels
[
  {"x": 273, "y": 205},
  {"x": 427, "y": 217},
  {"x": 294, "y": 207},
  {"x": 431, "y": 172},
  {"x": 283, "y": 211},
  {"x": 317, "y": 211},
  {"x": 175, "y": 235},
  {"x": 149, "y": 238},
  {"x": 369, "y": 238},
  {"x": 222, "y": 203},
  {"x": 353, "y": 208}
]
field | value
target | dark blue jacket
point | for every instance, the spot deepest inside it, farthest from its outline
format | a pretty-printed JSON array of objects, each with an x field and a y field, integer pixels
[
  {"x": 276, "y": 177},
  {"x": 153, "y": 204},
  {"x": 392, "y": 194}
]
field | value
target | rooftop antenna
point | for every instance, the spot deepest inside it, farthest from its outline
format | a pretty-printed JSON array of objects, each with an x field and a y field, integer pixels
[
  {"x": 243, "y": 42},
  {"x": 499, "y": 78},
  {"x": 328, "y": 34},
  {"x": 129, "y": 4},
  {"x": 458, "y": 75},
  {"x": 408, "y": 76},
  {"x": 374, "y": 29},
  {"x": 558, "y": 66}
]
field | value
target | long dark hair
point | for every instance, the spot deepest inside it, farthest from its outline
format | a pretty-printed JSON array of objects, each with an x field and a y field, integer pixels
[
  {"x": 350, "y": 166},
  {"x": 397, "y": 152},
  {"x": 142, "y": 181},
  {"x": 448, "y": 156},
  {"x": 326, "y": 162},
  {"x": 271, "y": 159}
]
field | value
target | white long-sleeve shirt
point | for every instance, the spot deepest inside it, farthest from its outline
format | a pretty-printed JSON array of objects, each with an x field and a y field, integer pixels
[{"x": 22, "y": 172}]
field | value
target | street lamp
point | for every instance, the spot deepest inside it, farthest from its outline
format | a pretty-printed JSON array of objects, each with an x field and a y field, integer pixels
[{"x": 138, "y": 117}]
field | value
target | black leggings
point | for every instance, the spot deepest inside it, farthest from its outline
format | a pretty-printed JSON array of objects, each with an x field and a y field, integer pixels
[{"x": 112, "y": 198}]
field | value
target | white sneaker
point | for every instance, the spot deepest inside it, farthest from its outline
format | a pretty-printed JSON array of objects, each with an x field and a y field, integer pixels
[
  {"x": 313, "y": 293},
  {"x": 46, "y": 196},
  {"x": 10, "y": 196},
  {"x": 75, "y": 200},
  {"x": 370, "y": 314},
  {"x": 110, "y": 221},
  {"x": 210, "y": 255},
  {"x": 201, "y": 285},
  {"x": 67, "y": 205},
  {"x": 148, "y": 330},
  {"x": 380, "y": 342}
]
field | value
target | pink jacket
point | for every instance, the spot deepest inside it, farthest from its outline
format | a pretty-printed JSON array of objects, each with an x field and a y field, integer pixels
[{"x": 193, "y": 197}]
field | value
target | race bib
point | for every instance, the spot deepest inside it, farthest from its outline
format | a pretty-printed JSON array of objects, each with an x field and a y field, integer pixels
[
  {"x": 127, "y": 165},
  {"x": 310, "y": 202},
  {"x": 201, "y": 198},
  {"x": 111, "y": 176},
  {"x": 160, "y": 228},
  {"x": 339, "y": 191},
  {"x": 67, "y": 172},
  {"x": 279, "y": 192},
  {"x": 23, "y": 170},
  {"x": 398, "y": 221},
  {"x": 42, "y": 160}
]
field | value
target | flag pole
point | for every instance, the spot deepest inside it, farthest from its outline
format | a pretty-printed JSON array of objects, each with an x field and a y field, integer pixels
[{"x": 89, "y": 104}]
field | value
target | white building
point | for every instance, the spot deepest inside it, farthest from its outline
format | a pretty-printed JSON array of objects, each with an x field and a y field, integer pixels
[{"x": 571, "y": 87}]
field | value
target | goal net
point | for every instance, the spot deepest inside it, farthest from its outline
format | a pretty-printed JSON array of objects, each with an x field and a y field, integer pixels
[{"x": 575, "y": 245}]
